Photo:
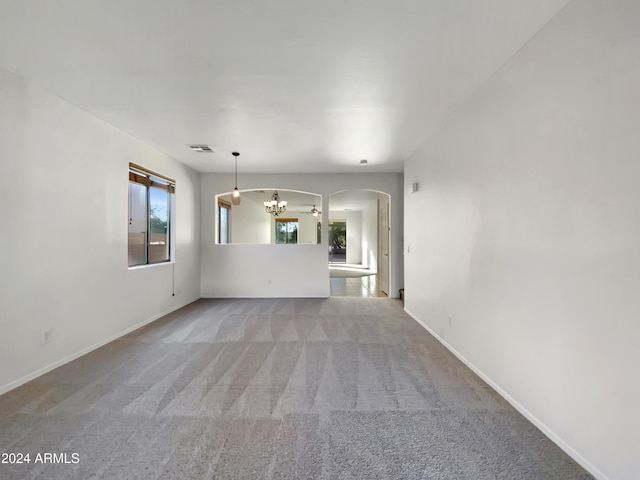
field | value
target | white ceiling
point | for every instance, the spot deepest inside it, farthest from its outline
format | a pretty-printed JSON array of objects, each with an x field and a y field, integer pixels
[{"x": 295, "y": 86}]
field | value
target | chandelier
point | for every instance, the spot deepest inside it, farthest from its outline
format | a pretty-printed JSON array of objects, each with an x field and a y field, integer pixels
[{"x": 276, "y": 206}]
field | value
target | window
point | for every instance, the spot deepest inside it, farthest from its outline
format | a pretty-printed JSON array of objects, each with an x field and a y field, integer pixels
[
  {"x": 224, "y": 211},
  {"x": 286, "y": 230},
  {"x": 338, "y": 241},
  {"x": 150, "y": 197}
]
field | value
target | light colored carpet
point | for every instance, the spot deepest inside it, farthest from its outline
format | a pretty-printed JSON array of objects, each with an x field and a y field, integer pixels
[{"x": 339, "y": 388}]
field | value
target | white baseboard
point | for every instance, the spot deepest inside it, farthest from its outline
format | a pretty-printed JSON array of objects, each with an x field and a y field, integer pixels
[
  {"x": 84, "y": 351},
  {"x": 528, "y": 415}
]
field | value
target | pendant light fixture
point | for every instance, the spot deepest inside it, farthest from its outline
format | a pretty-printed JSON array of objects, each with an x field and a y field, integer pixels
[{"x": 235, "y": 196}]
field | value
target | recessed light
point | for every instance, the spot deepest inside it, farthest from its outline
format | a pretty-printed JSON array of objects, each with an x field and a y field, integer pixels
[
  {"x": 200, "y": 148},
  {"x": 363, "y": 163}
]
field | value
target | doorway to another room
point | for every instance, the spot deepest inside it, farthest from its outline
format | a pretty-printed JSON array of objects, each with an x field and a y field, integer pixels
[{"x": 359, "y": 243}]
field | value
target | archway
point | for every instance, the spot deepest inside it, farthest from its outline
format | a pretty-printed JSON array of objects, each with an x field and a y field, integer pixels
[{"x": 358, "y": 243}]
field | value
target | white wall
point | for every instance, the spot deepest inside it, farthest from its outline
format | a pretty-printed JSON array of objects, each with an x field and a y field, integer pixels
[
  {"x": 353, "y": 219},
  {"x": 286, "y": 270},
  {"x": 249, "y": 223},
  {"x": 370, "y": 236},
  {"x": 307, "y": 228},
  {"x": 64, "y": 236},
  {"x": 354, "y": 237},
  {"x": 526, "y": 232}
]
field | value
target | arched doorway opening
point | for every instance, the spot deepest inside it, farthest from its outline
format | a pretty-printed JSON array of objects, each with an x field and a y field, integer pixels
[{"x": 358, "y": 243}]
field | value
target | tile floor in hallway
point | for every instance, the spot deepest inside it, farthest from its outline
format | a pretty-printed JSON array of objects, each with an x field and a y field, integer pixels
[{"x": 366, "y": 286}]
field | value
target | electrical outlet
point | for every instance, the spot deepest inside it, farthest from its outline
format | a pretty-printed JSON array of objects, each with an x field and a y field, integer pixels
[{"x": 47, "y": 336}]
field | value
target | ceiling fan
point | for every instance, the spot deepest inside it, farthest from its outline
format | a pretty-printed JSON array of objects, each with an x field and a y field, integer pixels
[{"x": 314, "y": 211}]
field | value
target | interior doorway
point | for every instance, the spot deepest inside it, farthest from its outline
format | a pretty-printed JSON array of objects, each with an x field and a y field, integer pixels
[
  {"x": 358, "y": 243},
  {"x": 383, "y": 244}
]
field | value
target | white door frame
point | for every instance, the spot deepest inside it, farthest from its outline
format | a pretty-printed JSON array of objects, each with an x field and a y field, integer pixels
[{"x": 384, "y": 230}]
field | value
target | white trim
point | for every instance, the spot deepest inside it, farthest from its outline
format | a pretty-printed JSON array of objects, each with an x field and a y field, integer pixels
[
  {"x": 41, "y": 371},
  {"x": 514, "y": 403},
  {"x": 263, "y": 297},
  {"x": 151, "y": 265}
]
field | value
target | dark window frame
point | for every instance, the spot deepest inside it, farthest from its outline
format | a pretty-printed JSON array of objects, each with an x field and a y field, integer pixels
[
  {"x": 150, "y": 179},
  {"x": 287, "y": 221},
  {"x": 227, "y": 206}
]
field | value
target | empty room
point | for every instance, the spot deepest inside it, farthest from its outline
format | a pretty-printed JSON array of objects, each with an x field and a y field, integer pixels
[{"x": 320, "y": 240}]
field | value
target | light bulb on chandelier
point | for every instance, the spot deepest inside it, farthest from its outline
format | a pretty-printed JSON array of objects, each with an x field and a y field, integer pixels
[{"x": 276, "y": 206}]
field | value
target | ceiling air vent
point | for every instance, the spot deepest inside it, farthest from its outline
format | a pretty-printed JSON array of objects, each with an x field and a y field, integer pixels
[{"x": 201, "y": 148}]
